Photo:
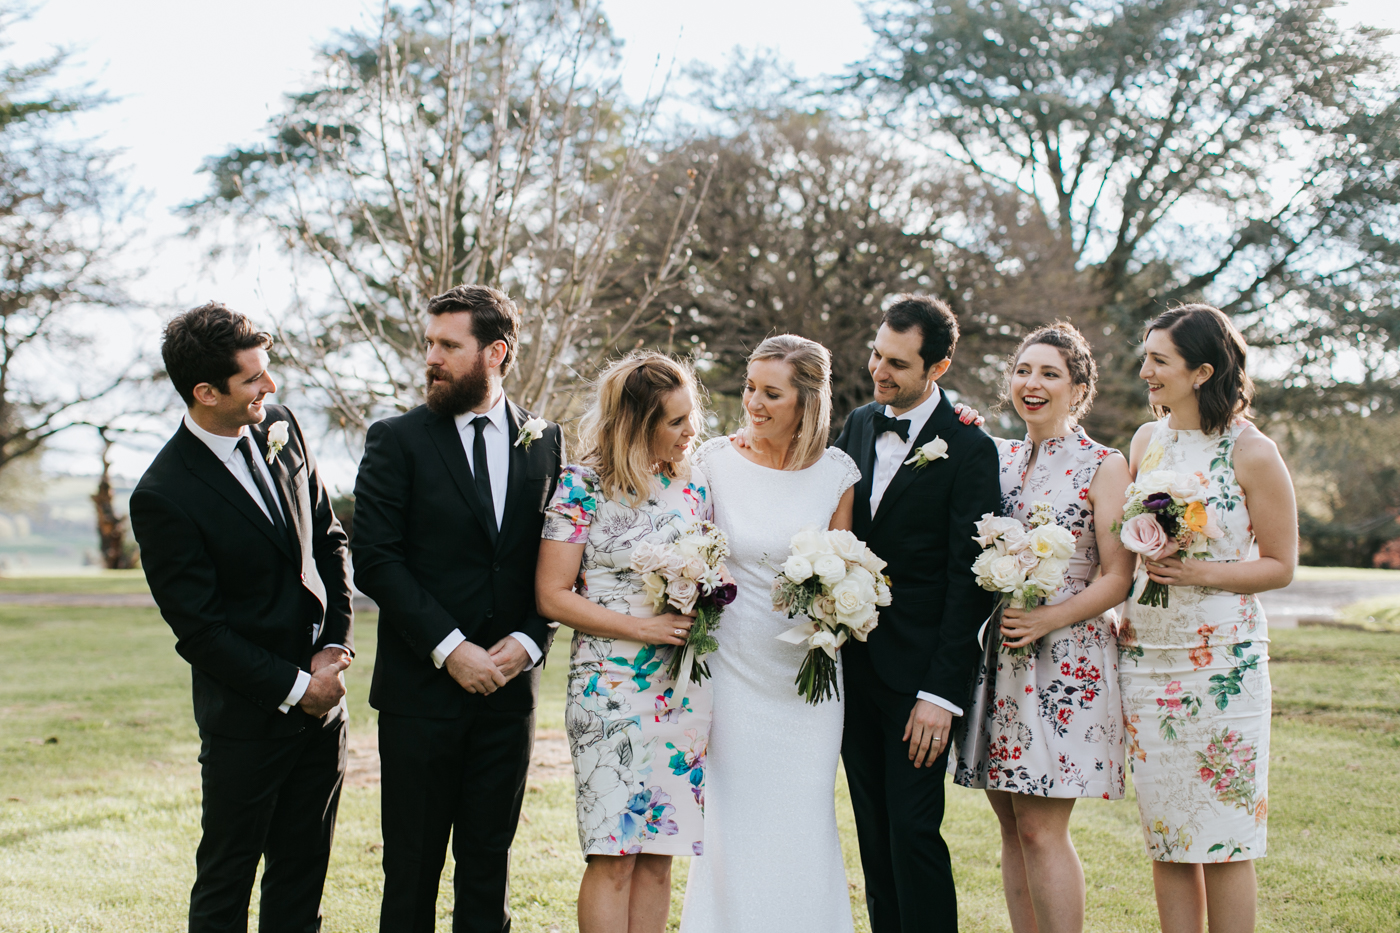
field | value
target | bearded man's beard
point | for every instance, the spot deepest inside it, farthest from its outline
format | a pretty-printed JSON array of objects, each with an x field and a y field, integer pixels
[{"x": 456, "y": 396}]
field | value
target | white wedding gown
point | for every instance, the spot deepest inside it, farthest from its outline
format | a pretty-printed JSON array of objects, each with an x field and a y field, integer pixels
[{"x": 772, "y": 857}]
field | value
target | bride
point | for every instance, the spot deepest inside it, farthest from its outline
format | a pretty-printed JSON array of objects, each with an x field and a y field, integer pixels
[{"x": 772, "y": 858}]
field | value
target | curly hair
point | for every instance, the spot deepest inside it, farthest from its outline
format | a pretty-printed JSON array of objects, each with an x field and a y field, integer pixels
[
  {"x": 1078, "y": 357},
  {"x": 202, "y": 346}
]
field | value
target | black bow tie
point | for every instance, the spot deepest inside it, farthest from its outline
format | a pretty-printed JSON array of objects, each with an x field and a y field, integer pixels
[{"x": 884, "y": 422}]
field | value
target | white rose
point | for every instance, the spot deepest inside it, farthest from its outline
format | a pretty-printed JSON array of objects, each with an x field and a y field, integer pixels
[
  {"x": 862, "y": 631},
  {"x": 1051, "y": 541},
  {"x": 830, "y": 568},
  {"x": 1187, "y": 487},
  {"x": 654, "y": 588},
  {"x": 1028, "y": 560},
  {"x": 673, "y": 563},
  {"x": 534, "y": 426},
  {"x": 824, "y": 640},
  {"x": 846, "y": 546},
  {"x": 981, "y": 567},
  {"x": 1064, "y": 542},
  {"x": 871, "y": 561},
  {"x": 1015, "y": 540},
  {"x": 1049, "y": 576},
  {"x": 1005, "y": 574},
  {"x": 682, "y": 594},
  {"x": 647, "y": 557},
  {"x": 823, "y": 609},
  {"x": 862, "y": 576},
  {"x": 883, "y": 597},
  {"x": 695, "y": 568},
  {"x": 854, "y": 601},
  {"x": 936, "y": 449},
  {"x": 797, "y": 568},
  {"x": 810, "y": 543},
  {"x": 277, "y": 433}
]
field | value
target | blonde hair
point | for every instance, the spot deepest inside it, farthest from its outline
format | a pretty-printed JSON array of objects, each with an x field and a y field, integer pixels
[
  {"x": 811, "y": 377},
  {"x": 618, "y": 430}
]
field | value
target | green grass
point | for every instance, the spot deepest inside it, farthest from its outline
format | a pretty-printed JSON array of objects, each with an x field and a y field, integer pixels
[
  {"x": 98, "y": 828},
  {"x": 103, "y": 582},
  {"x": 1345, "y": 573},
  {"x": 1381, "y": 614}
]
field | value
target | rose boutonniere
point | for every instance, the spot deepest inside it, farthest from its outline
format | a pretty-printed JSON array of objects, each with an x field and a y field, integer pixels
[
  {"x": 276, "y": 440},
  {"x": 530, "y": 432},
  {"x": 936, "y": 449}
]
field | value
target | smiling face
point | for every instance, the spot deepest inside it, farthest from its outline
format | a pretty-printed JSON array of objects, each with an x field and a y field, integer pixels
[
  {"x": 1171, "y": 383},
  {"x": 771, "y": 401},
  {"x": 672, "y": 436},
  {"x": 228, "y": 412},
  {"x": 902, "y": 381},
  {"x": 1042, "y": 391}
]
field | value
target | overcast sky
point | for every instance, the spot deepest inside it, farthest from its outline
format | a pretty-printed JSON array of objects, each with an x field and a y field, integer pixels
[{"x": 190, "y": 78}]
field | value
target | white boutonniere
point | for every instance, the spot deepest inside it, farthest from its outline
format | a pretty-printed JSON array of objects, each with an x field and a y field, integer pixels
[
  {"x": 530, "y": 432},
  {"x": 276, "y": 440},
  {"x": 936, "y": 449}
]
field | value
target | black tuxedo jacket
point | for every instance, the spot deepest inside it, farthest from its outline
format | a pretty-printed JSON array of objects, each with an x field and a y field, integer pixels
[
  {"x": 242, "y": 599},
  {"x": 927, "y": 636},
  {"x": 424, "y": 553}
]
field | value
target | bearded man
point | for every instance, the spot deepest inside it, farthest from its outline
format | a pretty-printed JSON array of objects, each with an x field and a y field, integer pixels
[{"x": 448, "y": 512}]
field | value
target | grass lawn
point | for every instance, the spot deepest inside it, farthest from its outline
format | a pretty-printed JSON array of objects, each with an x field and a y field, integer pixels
[{"x": 99, "y": 803}]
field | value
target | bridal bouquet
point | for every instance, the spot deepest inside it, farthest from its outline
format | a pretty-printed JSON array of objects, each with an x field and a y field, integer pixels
[
  {"x": 1022, "y": 565},
  {"x": 1166, "y": 513},
  {"x": 688, "y": 575},
  {"x": 837, "y": 582}
]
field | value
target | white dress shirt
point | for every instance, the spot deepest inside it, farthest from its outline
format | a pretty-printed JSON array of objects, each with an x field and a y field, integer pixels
[
  {"x": 890, "y": 454},
  {"x": 226, "y": 450},
  {"x": 497, "y": 437}
]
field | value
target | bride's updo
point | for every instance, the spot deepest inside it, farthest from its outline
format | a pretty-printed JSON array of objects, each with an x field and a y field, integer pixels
[
  {"x": 619, "y": 430},
  {"x": 810, "y": 363}
]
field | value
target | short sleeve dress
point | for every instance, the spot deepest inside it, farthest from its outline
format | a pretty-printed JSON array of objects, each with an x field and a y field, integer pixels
[{"x": 639, "y": 765}]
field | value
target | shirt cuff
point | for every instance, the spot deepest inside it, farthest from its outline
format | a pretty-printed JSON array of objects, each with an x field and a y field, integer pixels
[
  {"x": 940, "y": 702},
  {"x": 298, "y": 691},
  {"x": 447, "y": 646},
  {"x": 532, "y": 649}
]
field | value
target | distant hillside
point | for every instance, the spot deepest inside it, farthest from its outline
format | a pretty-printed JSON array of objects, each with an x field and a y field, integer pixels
[{"x": 57, "y": 528}]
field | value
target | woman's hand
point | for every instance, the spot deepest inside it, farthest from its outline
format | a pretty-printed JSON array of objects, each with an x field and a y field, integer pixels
[
  {"x": 670, "y": 629},
  {"x": 968, "y": 415},
  {"x": 1021, "y": 627},
  {"x": 1177, "y": 571}
]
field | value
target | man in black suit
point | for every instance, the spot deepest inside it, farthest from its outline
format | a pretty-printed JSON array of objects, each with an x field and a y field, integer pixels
[
  {"x": 247, "y": 563},
  {"x": 449, "y": 506},
  {"x": 907, "y": 682}
]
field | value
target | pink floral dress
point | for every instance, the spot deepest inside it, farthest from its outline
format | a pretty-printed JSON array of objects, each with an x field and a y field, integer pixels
[
  {"x": 1195, "y": 682},
  {"x": 1049, "y": 723}
]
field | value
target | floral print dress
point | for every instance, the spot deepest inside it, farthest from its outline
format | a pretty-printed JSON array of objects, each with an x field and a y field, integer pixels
[
  {"x": 1195, "y": 682},
  {"x": 1049, "y": 722},
  {"x": 639, "y": 759}
]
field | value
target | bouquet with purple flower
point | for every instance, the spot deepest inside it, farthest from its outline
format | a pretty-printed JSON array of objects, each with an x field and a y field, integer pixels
[{"x": 689, "y": 575}]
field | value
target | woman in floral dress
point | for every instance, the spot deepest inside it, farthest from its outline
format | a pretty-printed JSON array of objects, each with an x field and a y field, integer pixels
[
  {"x": 1194, "y": 674},
  {"x": 1045, "y": 727},
  {"x": 639, "y": 754}
]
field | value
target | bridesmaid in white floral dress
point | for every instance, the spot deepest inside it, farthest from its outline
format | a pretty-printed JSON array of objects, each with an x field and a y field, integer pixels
[
  {"x": 1195, "y": 675},
  {"x": 639, "y": 757},
  {"x": 1045, "y": 727}
]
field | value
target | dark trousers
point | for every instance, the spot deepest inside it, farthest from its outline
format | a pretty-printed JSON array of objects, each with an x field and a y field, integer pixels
[
  {"x": 461, "y": 777},
  {"x": 273, "y": 799},
  {"x": 898, "y": 810}
]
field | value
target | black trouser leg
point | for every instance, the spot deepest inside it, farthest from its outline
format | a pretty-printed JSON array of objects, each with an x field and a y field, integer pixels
[
  {"x": 298, "y": 847},
  {"x": 863, "y": 756},
  {"x": 496, "y": 761},
  {"x": 418, "y": 760},
  {"x": 243, "y": 782}
]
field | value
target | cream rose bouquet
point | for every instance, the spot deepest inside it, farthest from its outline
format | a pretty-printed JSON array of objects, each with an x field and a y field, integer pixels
[
  {"x": 838, "y": 583},
  {"x": 1166, "y": 513},
  {"x": 1022, "y": 564},
  {"x": 688, "y": 575}
]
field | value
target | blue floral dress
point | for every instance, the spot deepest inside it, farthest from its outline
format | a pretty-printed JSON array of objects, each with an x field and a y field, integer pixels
[
  {"x": 1049, "y": 722},
  {"x": 639, "y": 765}
]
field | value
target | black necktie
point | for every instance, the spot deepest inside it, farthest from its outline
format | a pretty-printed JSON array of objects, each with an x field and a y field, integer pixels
[
  {"x": 482, "y": 473},
  {"x": 884, "y": 422},
  {"x": 245, "y": 445}
]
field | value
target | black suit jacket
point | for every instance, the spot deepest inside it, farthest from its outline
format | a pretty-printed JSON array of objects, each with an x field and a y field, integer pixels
[
  {"x": 424, "y": 553},
  {"x": 241, "y": 598},
  {"x": 927, "y": 636}
]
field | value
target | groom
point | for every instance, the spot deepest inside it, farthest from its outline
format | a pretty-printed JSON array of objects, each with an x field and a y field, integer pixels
[
  {"x": 907, "y": 682},
  {"x": 247, "y": 563},
  {"x": 449, "y": 505}
]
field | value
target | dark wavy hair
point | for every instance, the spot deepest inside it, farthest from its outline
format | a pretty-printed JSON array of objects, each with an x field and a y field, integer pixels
[
  {"x": 1203, "y": 334},
  {"x": 1078, "y": 357},
  {"x": 937, "y": 324},
  {"x": 202, "y": 345},
  {"x": 494, "y": 316}
]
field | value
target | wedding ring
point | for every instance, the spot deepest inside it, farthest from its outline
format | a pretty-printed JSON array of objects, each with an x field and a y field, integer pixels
[{"x": 678, "y": 633}]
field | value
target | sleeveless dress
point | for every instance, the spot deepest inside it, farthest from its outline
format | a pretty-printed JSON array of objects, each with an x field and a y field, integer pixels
[
  {"x": 1195, "y": 682},
  {"x": 639, "y": 767},
  {"x": 772, "y": 859},
  {"x": 1050, "y": 722}
]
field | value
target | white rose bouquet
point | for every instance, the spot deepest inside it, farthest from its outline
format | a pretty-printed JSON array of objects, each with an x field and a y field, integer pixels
[
  {"x": 838, "y": 583},
  {"x": 1022, "y": 564},
  {"x": 1166, "y": 512},
  {"x": 688, "y": 575}
]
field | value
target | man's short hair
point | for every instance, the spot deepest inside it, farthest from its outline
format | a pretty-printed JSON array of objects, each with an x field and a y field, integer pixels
[
  {"x": 936, "y": 322},
  {"x": 202, "y": 345},
  {"x": 494, "y": 316}
]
